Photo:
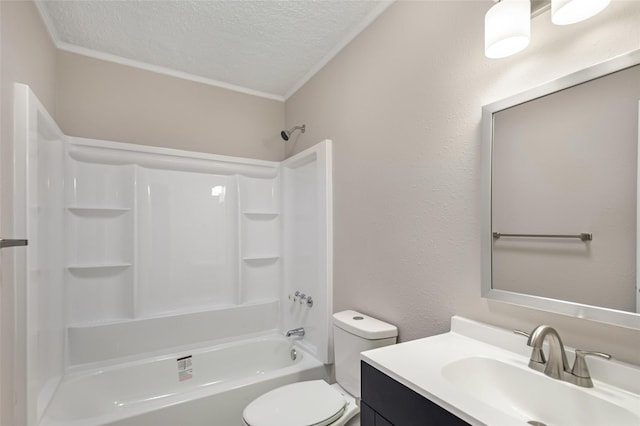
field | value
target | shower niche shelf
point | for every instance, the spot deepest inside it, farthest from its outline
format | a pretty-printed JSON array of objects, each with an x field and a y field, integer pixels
[
  {"x": 259, "y": 236},
  {"x": 263, "y": 258},
  {"x": 261, "y": 277},
  {"x": 100, "y": 292},
  {"x": 98, "y": 266},
  {"x": 98, "y": 237},
  {"x": 260, "y": 214},
  {"x": 259, "y": 195},
  {"x": 100, "y": 228},
  {"x": 98, "y": 212}
]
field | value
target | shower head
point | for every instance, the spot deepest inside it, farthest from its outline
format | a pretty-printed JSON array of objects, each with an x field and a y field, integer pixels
[{"x": 286, "y": 134}]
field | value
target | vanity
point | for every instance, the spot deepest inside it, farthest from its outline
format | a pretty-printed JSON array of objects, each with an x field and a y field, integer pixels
[
  {"x": 478, "y": 374},
  {"x": 386, "y": 402}
]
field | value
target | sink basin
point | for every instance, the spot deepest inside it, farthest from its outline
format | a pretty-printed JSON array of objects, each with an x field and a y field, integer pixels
[{"x": 534, "y": 397}]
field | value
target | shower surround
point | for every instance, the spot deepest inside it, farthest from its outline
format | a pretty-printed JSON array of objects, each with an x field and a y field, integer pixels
[{"x": 137, "y": 251}]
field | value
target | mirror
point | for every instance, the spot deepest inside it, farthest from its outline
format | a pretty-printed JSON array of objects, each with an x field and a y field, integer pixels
[{"x": 560, "y": 195}]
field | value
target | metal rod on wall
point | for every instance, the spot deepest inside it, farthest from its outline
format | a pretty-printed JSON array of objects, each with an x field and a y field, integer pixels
[
  {"x": 584, "y": 236},
  {"x": 12, "y": 243}
]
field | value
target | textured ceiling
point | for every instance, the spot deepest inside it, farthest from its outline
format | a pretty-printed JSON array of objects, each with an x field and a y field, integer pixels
[{"x": 266, "y": 47}]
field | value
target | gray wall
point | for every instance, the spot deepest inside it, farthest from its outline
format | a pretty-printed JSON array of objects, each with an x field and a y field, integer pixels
[
  {"x": 104, "y": 100},
  {"x": 402, "y": 103}
]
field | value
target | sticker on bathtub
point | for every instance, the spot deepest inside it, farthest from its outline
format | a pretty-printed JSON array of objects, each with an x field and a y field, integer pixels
[{"x": 185, "y": 370}]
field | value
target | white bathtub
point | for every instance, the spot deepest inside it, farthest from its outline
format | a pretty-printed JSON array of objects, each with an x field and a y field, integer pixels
[{"x": 224, "y": 378}]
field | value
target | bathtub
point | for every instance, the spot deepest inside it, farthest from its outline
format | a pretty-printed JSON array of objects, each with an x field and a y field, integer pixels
[{"x": 208, "y": 386}]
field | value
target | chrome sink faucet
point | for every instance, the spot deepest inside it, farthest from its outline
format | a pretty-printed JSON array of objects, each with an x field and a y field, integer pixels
[
  {"x": 296, "y": 332},
  {"x": 557, "y": 366},
  {"x": 557, "y": 363}
]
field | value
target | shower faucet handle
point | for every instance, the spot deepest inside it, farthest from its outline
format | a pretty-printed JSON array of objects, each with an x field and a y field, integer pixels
[
  {"x": 308, "y": 300},
  {"x": 302, "y": 298}
]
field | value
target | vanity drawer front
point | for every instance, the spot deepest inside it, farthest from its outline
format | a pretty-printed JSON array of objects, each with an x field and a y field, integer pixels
[
  {"x": 368, "y": 417},
  {"x": 398, "y": 405}
]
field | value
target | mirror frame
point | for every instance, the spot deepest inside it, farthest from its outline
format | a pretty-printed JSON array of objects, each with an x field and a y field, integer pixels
[{"x": 577, "y": 310}]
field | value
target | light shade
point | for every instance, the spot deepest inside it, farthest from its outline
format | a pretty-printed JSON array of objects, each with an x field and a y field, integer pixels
[
  {"x": 565, "y": 12},
  {"x": 507, "y": 28}
]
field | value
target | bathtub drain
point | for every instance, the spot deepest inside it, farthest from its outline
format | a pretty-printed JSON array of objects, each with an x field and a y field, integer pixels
[{"x": 294, "y": 354}]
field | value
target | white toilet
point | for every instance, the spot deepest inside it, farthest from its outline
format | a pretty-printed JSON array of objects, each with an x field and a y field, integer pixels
[{"x": 316, "y": 402}]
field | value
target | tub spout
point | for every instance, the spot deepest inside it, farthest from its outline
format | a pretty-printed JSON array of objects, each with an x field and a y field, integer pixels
[{"x": 296, "y": 332}]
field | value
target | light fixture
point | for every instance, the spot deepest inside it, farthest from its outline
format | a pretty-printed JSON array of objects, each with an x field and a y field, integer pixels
[
  {"x": 565, "y": 12},
  {"x": 507, "y": 25},
  {"x": 507, "y": 28}
]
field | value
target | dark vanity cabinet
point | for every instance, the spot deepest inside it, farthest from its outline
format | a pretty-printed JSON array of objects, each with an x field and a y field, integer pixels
[{"x": 386, "y": 402}]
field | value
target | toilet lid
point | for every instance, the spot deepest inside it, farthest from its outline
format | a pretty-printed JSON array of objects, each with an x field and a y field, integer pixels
[{"x": 298, "y": 404}]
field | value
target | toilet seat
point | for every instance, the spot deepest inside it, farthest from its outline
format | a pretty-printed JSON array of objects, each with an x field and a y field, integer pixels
[{"x": 311, "y": 403}]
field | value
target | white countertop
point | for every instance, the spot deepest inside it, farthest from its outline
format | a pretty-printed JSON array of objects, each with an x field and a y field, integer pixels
[{"x": 418, "y": 365}]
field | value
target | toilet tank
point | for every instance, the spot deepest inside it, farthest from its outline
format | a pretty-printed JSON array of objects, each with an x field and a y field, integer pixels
[{"x": 353, "y": 333}]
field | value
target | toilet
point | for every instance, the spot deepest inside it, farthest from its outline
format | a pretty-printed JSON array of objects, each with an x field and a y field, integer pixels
[{"x": 316, "y": 402}]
